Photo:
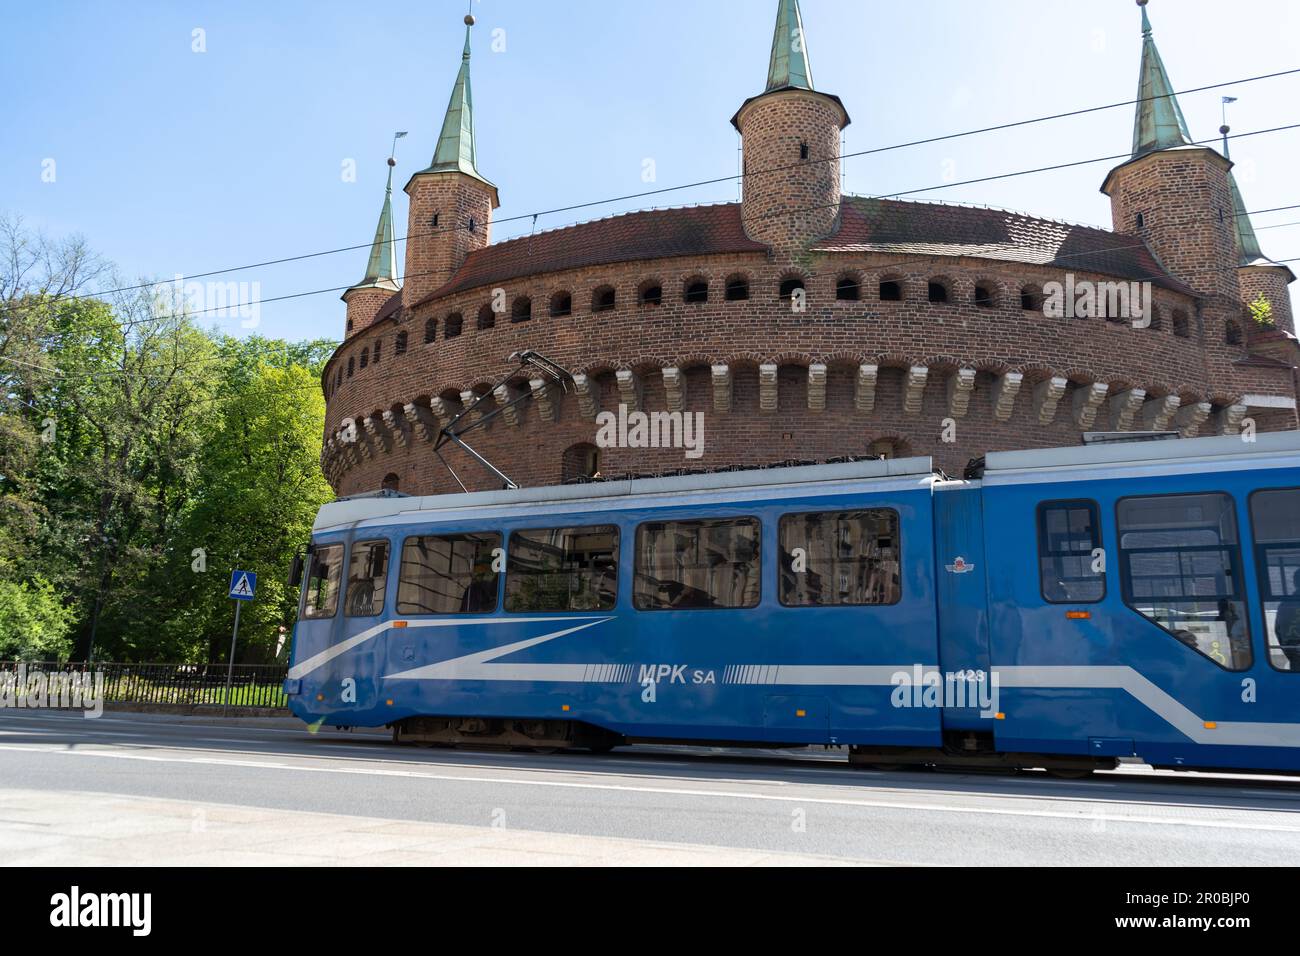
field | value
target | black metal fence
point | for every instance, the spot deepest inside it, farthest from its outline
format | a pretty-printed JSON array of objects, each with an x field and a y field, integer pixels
[{"x": 252, "y": 685}]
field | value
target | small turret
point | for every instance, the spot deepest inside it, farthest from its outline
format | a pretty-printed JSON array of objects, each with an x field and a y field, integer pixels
[
  {"x": 791, "y": 138},
  {"x": 451, "y": 201}
]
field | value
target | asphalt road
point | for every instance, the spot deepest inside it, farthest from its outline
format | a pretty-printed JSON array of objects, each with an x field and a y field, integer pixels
[{"x": 132, "y": 788}]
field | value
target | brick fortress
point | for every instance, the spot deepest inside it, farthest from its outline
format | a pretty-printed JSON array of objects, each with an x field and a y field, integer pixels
[{"x": 803, "y": 323}]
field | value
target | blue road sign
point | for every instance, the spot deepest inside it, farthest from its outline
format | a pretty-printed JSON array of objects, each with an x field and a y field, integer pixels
[{"x": 243, "y": 585}]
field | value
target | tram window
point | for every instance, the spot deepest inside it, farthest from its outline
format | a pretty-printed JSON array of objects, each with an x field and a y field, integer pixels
[
  {"x": 839, "y": 557},
  {"x": 562, "y": 569},
  {"x": 367, "y": 579},
  {"x": 322, "y": 590},
  {"x": 711, "y": 563},
  {"x": 1069, "y": 535},
  {"x": 1275, "y": 523},
  {"x": 1180, "y": 566},
  {"x": 448, "y": 574}
]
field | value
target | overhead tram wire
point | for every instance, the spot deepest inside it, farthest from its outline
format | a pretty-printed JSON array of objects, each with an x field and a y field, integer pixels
[{"x": 704, "y": 182}]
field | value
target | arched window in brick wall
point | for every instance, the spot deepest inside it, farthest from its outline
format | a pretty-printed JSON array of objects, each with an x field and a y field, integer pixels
[
  {"x": 1232, "y": 332},
  {"x": 1031, "y": 298},
  {"x": 391, "y": 482},
  {"x": 430, "y": 330},
  {"x": 562, "y": 304},
  {"x": 937, "y": 290},
  {"x": 486, "y": 318},
  {"x": 455, "y": 322},
  {"x": 1182, "y": 327},
  {"x": 338, "y": 379},
  {"x": 696, "y": 290},
  {"x": 789, "y": 285},
  {"x": 985, "y": 296},
  {"x": 521, "y": 309},
  {"x": 349, "y": 366},
  {"x": 891, "y": 290},
  {"x": 379, "y": 343},
  {"x": 848, "y": 288},
  {"x": 399, "y": 345},
  {"x": 349, "y": 325},
  {"x": 737, "y": 288},
  {"x": 580, "y": 461},
  {"x": 365, "y": 356},
  {"x": 604, "y": 299},
  {"x": 650, "y": 292}
]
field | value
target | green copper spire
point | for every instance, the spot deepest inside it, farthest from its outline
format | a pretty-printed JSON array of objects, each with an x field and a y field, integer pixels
[
  {"x": 789, "y": 63},
  {"x": 1247, "y": 242},
  {"x": 455, "y": 150},
  {"x": 1159, "y": 123},
  {"x": 381, "y": 270}
]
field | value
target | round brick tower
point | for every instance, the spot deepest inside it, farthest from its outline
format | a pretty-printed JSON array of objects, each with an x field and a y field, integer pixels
[
  {"x": 791, "y": 141},
  {"x": 450, "y": 202}
]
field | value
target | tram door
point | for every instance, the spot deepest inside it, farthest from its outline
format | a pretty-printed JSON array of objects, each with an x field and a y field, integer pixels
[{"x": 962, "y": 596}]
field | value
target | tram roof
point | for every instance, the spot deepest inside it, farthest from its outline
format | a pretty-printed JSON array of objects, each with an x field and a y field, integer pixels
[
  {"x": 368, "y": 507},
  {"x": 1188, "y": 452}
]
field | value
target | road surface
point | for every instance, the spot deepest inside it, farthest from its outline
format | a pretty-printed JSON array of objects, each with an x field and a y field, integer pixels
[{"x": 143, "y": 789}]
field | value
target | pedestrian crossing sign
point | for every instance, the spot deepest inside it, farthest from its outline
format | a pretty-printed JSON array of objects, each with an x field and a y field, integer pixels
[{"x": 243, "y": 585}]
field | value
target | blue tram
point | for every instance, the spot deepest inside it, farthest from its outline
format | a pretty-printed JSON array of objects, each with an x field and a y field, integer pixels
[{"x": 1056, "y": 608}]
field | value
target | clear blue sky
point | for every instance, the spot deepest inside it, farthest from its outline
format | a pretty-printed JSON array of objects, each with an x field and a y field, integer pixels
[{"x": 173, "y": 161}]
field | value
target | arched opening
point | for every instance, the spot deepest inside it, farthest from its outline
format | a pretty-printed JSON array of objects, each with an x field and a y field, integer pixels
[
  {"x": 430, "y": 330},
  {"x": 391, "y": 482},
  {"x": 580, "y": 461},
  {"x": 561, "y": 304},
  {"x": 455, "y": 322},
  {"x": 650, "y": 293},
  {"x": 374, "y": 356},
  {"x": 848, "y": 289},
  {"x": 1031, "y": 299},
  {"x": 788, "y": 287},
  {"x": 936, "y": 291},
  {"x": 985, "y": 297},
  {"x": 891, "y": 290},
  {"x": 1232, "y": 332},
  {"x": 349, "y": 325},
  {"x": 486, "y": 318},
  {"x": 521, "y": 309},
  {"x": 349, "y": 366},
  {"x": 1182, "y": 328},
  {"x": 697, "y": 290},
  {"x": 604, "y": 299},
  {"x": 737, "y": 288},
  {"x": 399, "y": 345},
  {"x": 365, "y": 356}
]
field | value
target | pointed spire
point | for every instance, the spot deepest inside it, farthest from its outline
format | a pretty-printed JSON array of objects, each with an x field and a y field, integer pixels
[
  {"x": 1247, "y": 242},
  {"x": 455, "y": 150},
  {"x": 381, "y": 270},
  {"x": 789, "y": 64},
  {"x": 1159, "y": 123}
]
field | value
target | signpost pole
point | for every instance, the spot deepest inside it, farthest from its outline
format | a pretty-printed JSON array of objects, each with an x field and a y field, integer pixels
[{"x": 230, "y": 667}]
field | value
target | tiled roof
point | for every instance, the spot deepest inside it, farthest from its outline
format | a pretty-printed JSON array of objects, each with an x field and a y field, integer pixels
[
  {"x": 655, "y": 234},
  {"x": 936, "y": 229}
]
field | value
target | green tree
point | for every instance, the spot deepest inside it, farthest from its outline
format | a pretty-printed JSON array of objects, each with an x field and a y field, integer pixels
[{"x": 257, "y": 494}]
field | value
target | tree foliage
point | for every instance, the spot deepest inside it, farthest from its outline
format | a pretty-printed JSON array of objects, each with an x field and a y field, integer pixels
[{"x": 141, "y": 459}]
